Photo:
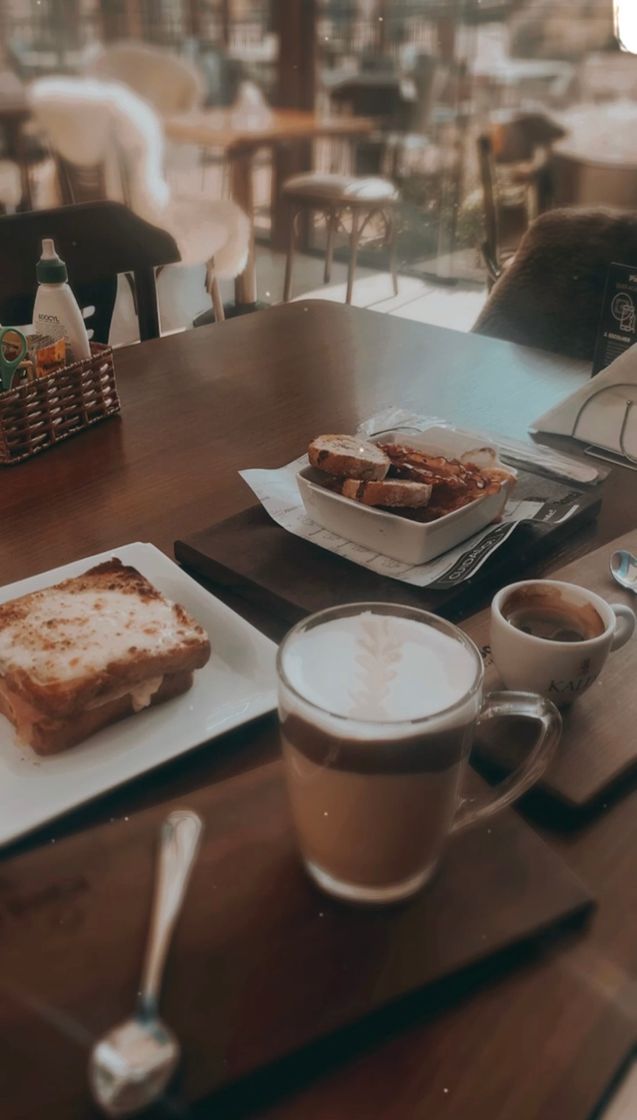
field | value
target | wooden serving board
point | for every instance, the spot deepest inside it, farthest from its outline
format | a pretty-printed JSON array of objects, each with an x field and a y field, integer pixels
[
  {"x": 252, "y": 556},
  {"x": 262, "y": 963},
  {"x": 599, "y": 743}
]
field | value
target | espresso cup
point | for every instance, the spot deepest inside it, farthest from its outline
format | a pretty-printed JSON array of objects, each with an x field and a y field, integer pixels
[
  {"x": 563, "y": 663},
  {"x": 378, "y": 705}
]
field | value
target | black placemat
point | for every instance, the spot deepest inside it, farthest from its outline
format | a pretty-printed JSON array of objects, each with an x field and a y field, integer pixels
[
  {"x": 262, "y": 963},
  {"x": 257, "y": 559}
]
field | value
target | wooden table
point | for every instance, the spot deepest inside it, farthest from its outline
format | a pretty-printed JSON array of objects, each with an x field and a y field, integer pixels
[
  {"x": 595, "y": 164},
  {"x": 540, "y": 1041},
  {"x": 510, "y": 80},
  {"x": 240, "y": 138}
]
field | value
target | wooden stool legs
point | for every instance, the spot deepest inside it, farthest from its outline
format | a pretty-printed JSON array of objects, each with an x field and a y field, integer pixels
[
  {"x": 353, "y": 252},
  {"x": 212, "y": 284},
  {"x": 360, "y": 219},
  {"x": 393, "y": 252},
  {"x": 287, "y": 284},
  {"x": 332, "y": 222},
  {"x": 217, "y": 302}
]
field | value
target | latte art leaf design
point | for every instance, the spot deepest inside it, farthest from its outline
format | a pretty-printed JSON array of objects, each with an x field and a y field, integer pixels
[{"x": 377, "y": 651}]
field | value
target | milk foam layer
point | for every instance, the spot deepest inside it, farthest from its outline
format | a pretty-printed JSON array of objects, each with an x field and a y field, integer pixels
[{"x": 378, "y": 668}]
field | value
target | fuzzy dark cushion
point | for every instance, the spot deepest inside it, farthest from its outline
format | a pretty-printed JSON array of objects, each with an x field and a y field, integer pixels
[{"x": 551, "y": 294}]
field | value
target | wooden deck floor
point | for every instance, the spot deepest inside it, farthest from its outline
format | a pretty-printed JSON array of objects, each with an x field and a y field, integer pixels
[{"x": 419, "y": 300}]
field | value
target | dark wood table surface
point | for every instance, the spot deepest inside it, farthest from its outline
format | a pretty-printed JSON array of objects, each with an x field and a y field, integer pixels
[{"x": 543, "y": 1040}]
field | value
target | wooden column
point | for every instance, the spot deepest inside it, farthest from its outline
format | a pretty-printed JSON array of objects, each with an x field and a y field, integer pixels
[
  {"x": 65, "y": 24},
  {"x": 446, "y": 36},
  {"x": 383, "y": 30},
  {"x": 226, "y": 20},
  {"x": 121, "y": 18},
  {"x": 295, "y": 24},
  {"x": 4, "y": 31},
  {"x": 193, "y": 14}
]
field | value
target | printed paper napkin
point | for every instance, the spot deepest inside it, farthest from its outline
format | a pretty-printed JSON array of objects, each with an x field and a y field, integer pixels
[{"x": 603, "y": 412}]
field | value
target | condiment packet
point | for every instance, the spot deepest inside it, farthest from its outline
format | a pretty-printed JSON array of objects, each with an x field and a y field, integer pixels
[{"x": 47, "y": 352}]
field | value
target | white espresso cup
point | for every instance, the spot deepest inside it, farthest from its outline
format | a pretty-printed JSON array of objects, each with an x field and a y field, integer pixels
[{"x": 553, "y": 638}]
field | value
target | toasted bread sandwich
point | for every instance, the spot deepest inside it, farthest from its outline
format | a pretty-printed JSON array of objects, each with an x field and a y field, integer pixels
[{"x": 92, "y": 650}]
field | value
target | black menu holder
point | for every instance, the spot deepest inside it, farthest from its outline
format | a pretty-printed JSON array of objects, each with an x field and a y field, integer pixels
[{"x": 618, "y": 321}]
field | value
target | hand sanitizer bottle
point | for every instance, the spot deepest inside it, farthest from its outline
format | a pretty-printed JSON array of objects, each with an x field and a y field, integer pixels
[{"x": 56, "y": 305}]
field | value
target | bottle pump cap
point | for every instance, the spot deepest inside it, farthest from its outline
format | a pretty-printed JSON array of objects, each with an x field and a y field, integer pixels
[{"x": 50, "y": 269}]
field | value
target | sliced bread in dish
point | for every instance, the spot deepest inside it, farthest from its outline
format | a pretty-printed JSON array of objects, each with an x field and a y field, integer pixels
[
  {"x": 392, "y": 493},
  {"x": 348, "y": 457}
]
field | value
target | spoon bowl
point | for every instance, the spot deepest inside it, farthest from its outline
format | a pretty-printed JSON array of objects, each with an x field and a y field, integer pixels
[
  {"x": 131, "y": 1065},
  {"x": 623, "y": 569}
]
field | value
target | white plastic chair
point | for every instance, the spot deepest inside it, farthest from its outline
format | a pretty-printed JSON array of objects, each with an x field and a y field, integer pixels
[
  {"x": 10, "y": 186},
  {"x": 108, "y": 143},
  {"x": 168, "y": 82}
]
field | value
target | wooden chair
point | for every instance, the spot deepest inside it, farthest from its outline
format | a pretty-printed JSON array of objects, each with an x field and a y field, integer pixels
[
  {"x": 491, "y": 243},
  {"x": 79, "y": 184},
  {"x": 335, "y": 196},
  {"x": 513, "y": 166},
  {"x": 380, "y": 97},
  {"x": 98, "y": 241}
]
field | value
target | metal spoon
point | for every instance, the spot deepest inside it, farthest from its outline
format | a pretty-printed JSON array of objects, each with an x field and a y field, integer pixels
[
  {"x": 130, "y": 1066},
  {"x": 623, "y": 568}
]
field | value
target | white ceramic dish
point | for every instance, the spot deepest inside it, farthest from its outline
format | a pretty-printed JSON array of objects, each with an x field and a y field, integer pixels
[
  {"x": 412, "y": 542},
  {"x": 236, "y": 685}
]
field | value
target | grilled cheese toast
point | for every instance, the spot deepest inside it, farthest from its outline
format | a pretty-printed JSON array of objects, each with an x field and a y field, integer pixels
[{"x": 90, "y": 650}]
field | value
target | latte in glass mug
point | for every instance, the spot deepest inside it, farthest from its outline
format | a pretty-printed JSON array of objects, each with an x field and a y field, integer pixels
[{"x": 378, "y": 705}]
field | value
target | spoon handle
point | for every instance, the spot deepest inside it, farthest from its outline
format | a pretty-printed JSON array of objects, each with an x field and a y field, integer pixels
[{"x": 179, "y": 842}]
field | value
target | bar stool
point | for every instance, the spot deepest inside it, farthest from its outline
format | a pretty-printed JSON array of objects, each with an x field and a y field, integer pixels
[{"x": 335, "y": 196}]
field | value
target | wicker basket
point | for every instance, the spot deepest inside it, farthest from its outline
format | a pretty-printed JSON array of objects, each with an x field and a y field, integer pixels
[{"x": 40, "y": 413}]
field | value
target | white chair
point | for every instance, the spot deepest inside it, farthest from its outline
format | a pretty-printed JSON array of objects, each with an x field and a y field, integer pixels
[
  {"x": 168, "y": 82},
  {"x": 107, "y": 143},
  {"x": 10, "y": 186}
]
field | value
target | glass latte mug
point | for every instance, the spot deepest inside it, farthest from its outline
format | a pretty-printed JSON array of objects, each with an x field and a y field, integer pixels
[{"x": 378, "y": 705}]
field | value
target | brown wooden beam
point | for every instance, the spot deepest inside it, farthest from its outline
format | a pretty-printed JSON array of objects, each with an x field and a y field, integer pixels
[
  {"x": 226, "y": 21},
  {"x": 4, "y": 31},
  {"x": 446, "y": 36},
  {"x": 119, "y": 18},
  {"x": 295, "y": 23},
  {"x": 193, "y": 18},
  {"x": 383, "y": 30}
]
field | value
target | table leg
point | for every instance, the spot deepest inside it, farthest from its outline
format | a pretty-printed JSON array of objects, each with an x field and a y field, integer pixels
[
  {"x": 245, "y": 286},
  {"x": 287, "y": 159},
  {"x": 25, "y": 178},
  {"x": 16, "y": 145}
]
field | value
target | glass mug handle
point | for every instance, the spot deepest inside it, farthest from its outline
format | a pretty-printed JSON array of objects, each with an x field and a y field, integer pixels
[{"x": 497, "y": 705}]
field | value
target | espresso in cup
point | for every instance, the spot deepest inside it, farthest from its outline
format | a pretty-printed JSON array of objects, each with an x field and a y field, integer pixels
[
  {"x": 378, "y": 705},
  {"x": 544, "y": 611},
  {"x": 554, "y": 637}
]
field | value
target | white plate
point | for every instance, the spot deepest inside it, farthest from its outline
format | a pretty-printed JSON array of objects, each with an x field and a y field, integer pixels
[
  {"x": 387, "y": 533},
  {"x": 236, "y": 685}
]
